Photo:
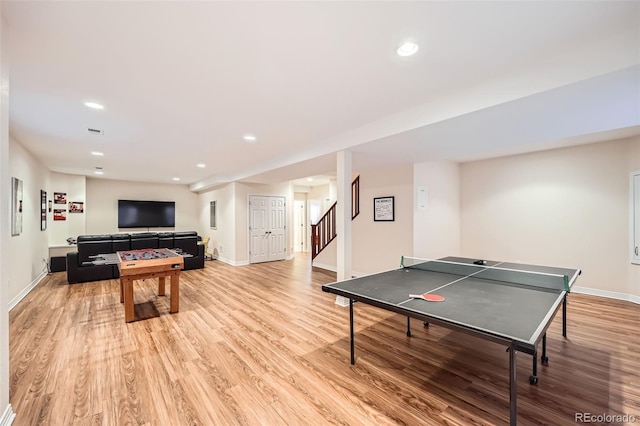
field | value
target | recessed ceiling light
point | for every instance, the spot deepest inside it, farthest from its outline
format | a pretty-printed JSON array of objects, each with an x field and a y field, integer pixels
[
  {"x": 309, "y": 179},
  {"x": 407, "y": 48},
  {"x": 97, "y": 154},
  {"x": 93, "y": 105},
  {"x": 98, "y": 172},
  {"x": 249, "y": 138},
  {"x": 201, "y": 165},
  {"x": 176, "y": 179}
]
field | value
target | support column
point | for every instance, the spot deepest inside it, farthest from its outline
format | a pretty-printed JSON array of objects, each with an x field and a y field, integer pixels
[{"x": 343, "y": 220}]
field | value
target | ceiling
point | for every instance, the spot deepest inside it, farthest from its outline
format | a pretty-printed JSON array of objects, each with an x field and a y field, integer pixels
[{"x": 182, "y": 82}]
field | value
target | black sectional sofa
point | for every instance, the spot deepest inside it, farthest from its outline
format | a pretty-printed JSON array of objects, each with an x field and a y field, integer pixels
[{"x": 79, "y": 271}]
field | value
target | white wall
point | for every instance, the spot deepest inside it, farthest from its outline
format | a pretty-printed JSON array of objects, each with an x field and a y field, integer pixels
[
  {"x": 301, "y": 218},
  {"x": 101, "y": 207},
  {"x": 233, "y": 214},
  {"x": 327, "y": 258},
  {"x": 242, "y": 194},
  {"x": 379, "y": 246},
  {"x": 75, "y": 224},
  {"x": 6, "y": 413},
  {"x": 436, "y": 228},
  {"x": 321, "y": 194},
  {"x": 28, "y": 251},
  {"x": 566, "y": 207},
  {"x": 222, "y": 244}
]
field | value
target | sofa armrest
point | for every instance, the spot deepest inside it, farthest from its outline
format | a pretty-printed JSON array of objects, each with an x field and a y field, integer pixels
[
  {"x": 197, "y": 261},
  {"x": 72, "y": 267}
]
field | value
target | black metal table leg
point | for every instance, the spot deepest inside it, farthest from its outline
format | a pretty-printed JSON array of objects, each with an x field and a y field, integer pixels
[
  {"x": 533, "y": 379},
  {"x": 353, "y": 353},
  {"x": 564, "y": 316},
  {"x": 408, "y": 326},
  {"x": 544, "y": 358},
  {"x": 513, "y": 388}
]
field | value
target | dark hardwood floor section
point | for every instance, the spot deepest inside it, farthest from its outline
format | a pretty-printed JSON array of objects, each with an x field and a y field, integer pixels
[{"x": 263, "y": 345}]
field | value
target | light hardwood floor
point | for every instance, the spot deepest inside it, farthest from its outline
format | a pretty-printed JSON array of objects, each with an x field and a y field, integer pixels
[{"x": 263, "y": 345}]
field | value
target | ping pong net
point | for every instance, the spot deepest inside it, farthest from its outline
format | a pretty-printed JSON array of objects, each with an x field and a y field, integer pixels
[{"x": 493, "y": 273}]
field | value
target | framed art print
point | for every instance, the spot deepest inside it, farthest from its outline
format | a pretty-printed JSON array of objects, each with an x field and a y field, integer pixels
[
  {"x": 16, "y": 206},
  {"x": 43, "y": 210},
  {"x": 383, "y": 209}
]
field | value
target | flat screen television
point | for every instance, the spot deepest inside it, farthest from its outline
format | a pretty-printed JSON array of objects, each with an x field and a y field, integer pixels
[{"x": 146, "y": 214}]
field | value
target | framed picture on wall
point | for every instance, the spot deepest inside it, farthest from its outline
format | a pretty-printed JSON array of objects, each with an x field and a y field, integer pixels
[
  {"x": 60, "y": 198},
  {"x": 76, "y": 207},
  {"x": 59, "y": 214},
  {"x": 16, "y": 206},
  {"x": 383, "y": 209},
  {"x": 43, "y": 210},
  {"x": 212, "y": 215}
]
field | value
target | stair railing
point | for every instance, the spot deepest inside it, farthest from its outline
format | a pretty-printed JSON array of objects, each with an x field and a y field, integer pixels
[{"x": 323, "y": 232}]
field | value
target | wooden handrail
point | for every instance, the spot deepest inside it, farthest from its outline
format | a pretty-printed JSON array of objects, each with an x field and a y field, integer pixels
[{"x": 323, "y": 232}]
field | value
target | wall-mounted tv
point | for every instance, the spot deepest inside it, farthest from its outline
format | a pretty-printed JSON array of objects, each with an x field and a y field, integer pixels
[{"x": 146, "y": 214}]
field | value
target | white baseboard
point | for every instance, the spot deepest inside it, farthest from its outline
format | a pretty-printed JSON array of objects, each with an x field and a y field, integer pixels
[
  {"x": 232, "y": 262},
  {"x": 354, "y": 274},
  {"x": 323, "y": 266},
  {"x": 607, "y": 294},
  {"x": 25, "y": 291},
  {"x": 7, "y": 417}
]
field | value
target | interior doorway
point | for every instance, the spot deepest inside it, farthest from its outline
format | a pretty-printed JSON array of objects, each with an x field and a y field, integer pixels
[{"x": 300, "y": 234}]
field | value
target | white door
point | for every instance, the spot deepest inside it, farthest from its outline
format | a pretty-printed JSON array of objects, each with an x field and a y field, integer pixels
[
  {"x": 635, "y": 255},
  {"x": 300, "y": 226},
  {"x": 258, "y": 230},
  {"x": 267, "y": 228},
  {"x": 277, "y": 226}
]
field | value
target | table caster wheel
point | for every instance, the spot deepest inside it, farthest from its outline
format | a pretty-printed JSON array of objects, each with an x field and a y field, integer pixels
[
  {"x": 544, "y": 360},
  {"x": 426, "y": 324},
  {"x": 533, "y": 380}
]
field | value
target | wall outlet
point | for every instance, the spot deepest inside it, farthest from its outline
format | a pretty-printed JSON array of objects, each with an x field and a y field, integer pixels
[{"x": 220, "y": 249}]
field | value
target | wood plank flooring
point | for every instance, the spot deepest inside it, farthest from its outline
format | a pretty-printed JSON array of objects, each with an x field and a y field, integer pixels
[{"x": 263, "y": 345}]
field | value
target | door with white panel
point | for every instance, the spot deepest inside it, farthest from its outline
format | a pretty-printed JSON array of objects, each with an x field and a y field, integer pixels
[
  {"x": 635, "y": 217},
  {"x": 258, "y": 230},
  {"x": 300, "y": 226},
  {"x": 267, "y": 228}
]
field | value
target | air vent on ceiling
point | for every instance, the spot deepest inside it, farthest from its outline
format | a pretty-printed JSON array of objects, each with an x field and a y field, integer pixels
[{"x": 95, "y": 131}]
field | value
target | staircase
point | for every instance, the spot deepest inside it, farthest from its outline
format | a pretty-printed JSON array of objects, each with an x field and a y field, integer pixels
[{"x": 323, "y": 232}]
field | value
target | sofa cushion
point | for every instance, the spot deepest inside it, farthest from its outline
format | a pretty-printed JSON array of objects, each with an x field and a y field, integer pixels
[
  {"x": 143, "y": 235},
  {"x": 82, "y": 238},
  {"x": 187, "y": 243},
  {"x": 165, "y": 240},
  {"x": 185, "y": 234},
  {"x": 88, "y": 249},
  {"x": 120, "y": 242},
  {"x": 144, "y": 240}
]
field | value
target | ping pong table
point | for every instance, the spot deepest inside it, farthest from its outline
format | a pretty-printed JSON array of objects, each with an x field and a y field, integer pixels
[{"x": 507, "y": 303}]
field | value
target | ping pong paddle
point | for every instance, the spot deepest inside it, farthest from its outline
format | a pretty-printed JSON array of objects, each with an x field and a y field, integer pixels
[{"x": 428, "y": 297}]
